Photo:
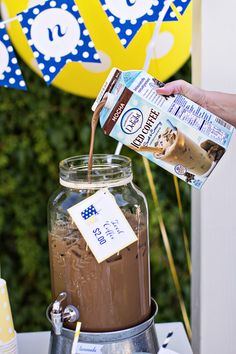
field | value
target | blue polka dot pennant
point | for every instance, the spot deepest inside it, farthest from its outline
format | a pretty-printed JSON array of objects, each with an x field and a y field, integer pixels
[
  {"x": 181, "y": 5},
  {"x": 57, "y": 35},
  {"x": 10, "y": 72},
  {"x": 128, "y": 16},
  {"x": 90, "y": 211}
]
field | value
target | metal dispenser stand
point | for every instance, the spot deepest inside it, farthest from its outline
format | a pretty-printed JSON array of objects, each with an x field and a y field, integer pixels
[{"x": 140, "y": 339}]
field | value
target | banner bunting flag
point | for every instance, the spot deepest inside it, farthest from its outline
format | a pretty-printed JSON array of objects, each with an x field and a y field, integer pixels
[
  {"x": 10, "y": 72},
  {"x": 57, "y": 35},
  {"x": 182, "y": 5},
  {"x": 128, "y": 16}
]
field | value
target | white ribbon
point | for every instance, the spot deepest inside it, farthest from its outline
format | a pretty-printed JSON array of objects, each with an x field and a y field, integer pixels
[{"x": 8, "y": 21}]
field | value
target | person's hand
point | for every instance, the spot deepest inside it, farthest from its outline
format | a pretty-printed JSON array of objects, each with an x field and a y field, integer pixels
[
  {"x": 186, "y": 89},
  {"x": 221, "y": 104}
]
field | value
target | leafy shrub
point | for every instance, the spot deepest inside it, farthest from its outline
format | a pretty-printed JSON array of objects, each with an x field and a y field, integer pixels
[{"x": 39, "y": 128}]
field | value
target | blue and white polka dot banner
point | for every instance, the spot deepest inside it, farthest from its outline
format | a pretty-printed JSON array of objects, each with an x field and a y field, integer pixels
[
  {"x": 57, "y": 35},
  {"x": 182, "y": 5},
  {"x": 10, "y": 72},
  {"x": 128, "y": 16}
]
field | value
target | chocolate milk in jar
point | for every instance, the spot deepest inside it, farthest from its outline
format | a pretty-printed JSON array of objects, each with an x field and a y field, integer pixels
[{"x": 113, "y": 294}]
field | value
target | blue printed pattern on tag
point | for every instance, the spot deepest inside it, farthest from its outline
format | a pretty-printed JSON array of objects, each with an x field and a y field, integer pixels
[
  {"x": 90, "y": 211},
  {"x": 10, "y": 72},
  {"x": 57, "y": 35}
]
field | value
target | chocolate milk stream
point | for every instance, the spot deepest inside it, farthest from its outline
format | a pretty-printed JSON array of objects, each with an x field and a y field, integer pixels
[{"x": 94, "y": 123}]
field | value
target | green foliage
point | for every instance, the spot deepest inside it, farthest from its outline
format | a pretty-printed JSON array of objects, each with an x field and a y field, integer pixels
[{"x": 39, "y": 128}]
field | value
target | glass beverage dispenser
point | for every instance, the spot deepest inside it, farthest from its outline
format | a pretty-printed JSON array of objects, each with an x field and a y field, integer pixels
[{"x": 115, "y": 294}]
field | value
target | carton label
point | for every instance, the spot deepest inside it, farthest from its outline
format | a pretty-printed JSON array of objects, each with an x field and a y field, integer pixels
[
  {"x": 173, "y": 132},
  {"x": 102, "y": 224},
  {"x": 117, "y": 111}
]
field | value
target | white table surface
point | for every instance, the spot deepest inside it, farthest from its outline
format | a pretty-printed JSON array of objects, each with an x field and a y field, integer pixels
[{"x": 38, "y": 342}]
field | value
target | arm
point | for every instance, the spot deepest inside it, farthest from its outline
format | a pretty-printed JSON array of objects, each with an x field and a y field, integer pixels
[{"x": 219, "y": 103}]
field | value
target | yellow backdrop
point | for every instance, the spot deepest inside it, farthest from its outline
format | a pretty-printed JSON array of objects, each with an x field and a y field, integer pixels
[{"x": 85, "y": 79}]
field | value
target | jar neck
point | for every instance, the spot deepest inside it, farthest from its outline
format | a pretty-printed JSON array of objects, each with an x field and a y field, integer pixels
[{"x": 108, "y": 171}]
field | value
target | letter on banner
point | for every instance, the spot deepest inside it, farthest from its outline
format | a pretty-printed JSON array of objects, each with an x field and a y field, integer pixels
[
  {"x": 57, "y": 35},
  {"x": 10, "y": 72},
  {"x": 128, "y": 16}
]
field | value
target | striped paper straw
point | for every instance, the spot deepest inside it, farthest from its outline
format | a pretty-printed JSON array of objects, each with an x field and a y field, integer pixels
[
  {"x": 167, "y": 340},
  {"x": 76, "y": 338}
]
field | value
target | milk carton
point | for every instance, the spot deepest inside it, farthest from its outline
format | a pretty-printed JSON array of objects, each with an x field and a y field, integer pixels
[{"x": 171, "y": 131}]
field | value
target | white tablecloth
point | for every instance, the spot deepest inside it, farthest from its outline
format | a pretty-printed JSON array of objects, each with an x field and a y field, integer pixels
[{"x": 38, "y": 342}]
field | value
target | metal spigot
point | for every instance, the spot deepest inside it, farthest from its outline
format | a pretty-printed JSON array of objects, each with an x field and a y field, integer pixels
[{"x": 57, "y": 316}]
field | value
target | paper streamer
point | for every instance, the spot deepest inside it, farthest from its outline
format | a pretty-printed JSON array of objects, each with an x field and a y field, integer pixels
[
  {"x": 7, "y": 333},
  {"x": 57, "y": 35},
  {"x": 10, "y": 72}
]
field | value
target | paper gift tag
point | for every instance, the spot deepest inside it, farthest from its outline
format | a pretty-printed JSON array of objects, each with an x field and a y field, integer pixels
[{"x": 102, "y": 224}]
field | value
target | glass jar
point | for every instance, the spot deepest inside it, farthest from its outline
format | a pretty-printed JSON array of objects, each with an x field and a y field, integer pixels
[{"x": 114, "y": 294}]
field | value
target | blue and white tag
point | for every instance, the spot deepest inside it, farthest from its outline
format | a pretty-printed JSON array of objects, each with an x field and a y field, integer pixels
[
  {"x": 57, "y": 35},
  {"x": 10, "y": 72},
  {"x": 102, "y": 224}
]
